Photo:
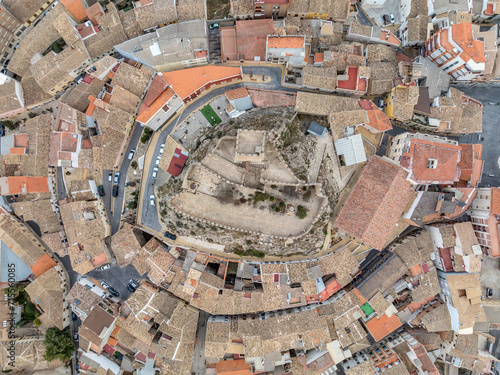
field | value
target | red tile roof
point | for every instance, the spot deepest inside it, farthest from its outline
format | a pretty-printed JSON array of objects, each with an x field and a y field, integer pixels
[
  {"x": 158, "y": 85},
  {"x": 251, "y": 38},
  {"x": 427, "y": 364},
  {"x": 495, "y": 201},
  {"x": 187, "y": 81},
  {"x": 242, "y": 92},
  {"x": 381, "y": 327},
  {"x": 177, "y": 162},
  {"x": 22, "y": 184},
  {"x": 76, "y": 8},
  {"x": 94, "y": 12},
  {"x": 285, "y": 41},
  {"x": 446, "y": 159},
  {"x": 147, "y": 112},
  {"x": 331, "y": 288},
  {"x": 17, "y": 151},
  {"x": 234, "y": 367},
  {"x": 376, "y": 202},
  {"x": 377, "y": 119},
  {"x": 109, "y": 349},
  {"x": 42, "y": 265}
]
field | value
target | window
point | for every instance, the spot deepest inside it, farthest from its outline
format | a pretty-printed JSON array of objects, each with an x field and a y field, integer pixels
[{"x": 431, "y": 163}]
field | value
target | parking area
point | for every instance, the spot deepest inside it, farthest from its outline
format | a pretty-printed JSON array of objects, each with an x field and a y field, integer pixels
[
  {"x": 376, "y": 12},
  {"x": 196, "y": 125},
  {"x": 214, "y": 43},
  {"x": 490, "y": 278},
  {"x": 117, "y": 277}
]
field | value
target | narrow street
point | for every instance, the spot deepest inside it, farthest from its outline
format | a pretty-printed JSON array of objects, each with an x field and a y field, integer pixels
[
  {"x": 114, "y": 205},
  {"x": 198, "y": 366}
]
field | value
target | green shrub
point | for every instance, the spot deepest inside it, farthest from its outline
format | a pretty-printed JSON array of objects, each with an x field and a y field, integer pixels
[
  {"x": 282, "y": 204},
  {"x": 301, "y": 212},
  {"x": 32, "y": 115},
  {"x": 10, "y": 125}
]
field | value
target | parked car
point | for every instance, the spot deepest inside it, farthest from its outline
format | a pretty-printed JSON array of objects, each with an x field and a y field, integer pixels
[
  {"x": 115, "y": 191},
  {"x": 162, "y": 147},
  {"x": 113, "y": 291},
  {"x": 213, "y": 26},
  {"x": 110, "y": 176},
  {"x": 133, "y": 283},
  {"x": 131, "y": 154},
  {"x": 2, "y": 130},
  {"x": 158, "y": 160},
  {"x": 130, "y": 288},
  {"x": 100, "y": 190},
  {"x": 106, "y": 267},
  {"x": 104, "y": 284},
  {"x": 173, "y": 237},
  {"x": 117, "y": 177},
  {"x": 391, "y": 18},
  {"x": 155, "y": 172},
  {"x": 74, "y": 317},
  {"x": 152, "y": 199},
  {"x": 489, "y": 293},
  {"x": 385, "y": 17},
  {"x": 76, "y": 337}
]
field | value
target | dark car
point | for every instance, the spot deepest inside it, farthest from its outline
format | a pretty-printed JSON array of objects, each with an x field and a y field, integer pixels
[
  {"x": 2, "y": 130},
  {"x": 74, "y": 317},
  {"x": 173, "y": 237},
  {"x": 131, "y": 288},
  {"x": 113, "y": 291},
  {"x": 115, "y": 191},
  {"x": 386, "y": 19},
  {"x": 489, "y": 293},
  {"x": 100, "y": 190}
]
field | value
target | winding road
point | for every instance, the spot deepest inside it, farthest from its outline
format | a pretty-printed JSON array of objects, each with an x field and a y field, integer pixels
[{"x": 149, "y": 214}]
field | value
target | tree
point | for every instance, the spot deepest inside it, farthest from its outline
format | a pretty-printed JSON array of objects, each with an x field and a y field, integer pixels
[
  {"x": 134, "y": 164},
  {"x": 10, "y": 125},
  {"x": 37, "y": 322},
  {"x": 132, "y": 205},
  {"x": 58, "y": 344},
  {"x": 301, "y": 212}
]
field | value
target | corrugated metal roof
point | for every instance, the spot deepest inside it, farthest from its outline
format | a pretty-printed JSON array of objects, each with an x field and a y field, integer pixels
[{"x": 352, "y": 149}]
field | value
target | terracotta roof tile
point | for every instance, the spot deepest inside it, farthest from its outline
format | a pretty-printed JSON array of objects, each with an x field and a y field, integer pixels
[
  {"x": 285, "y": 42},
  {"x": 376, "y": 202},
  {"x": 239, "y": 93},
  {"x": 381, "y": 327},
  {"x": 495, "y": 201},
  {"x": 187, "y": 81},
  {"x": 444, "y": 157}
]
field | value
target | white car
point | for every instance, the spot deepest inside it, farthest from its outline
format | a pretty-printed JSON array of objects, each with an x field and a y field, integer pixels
[
  {"x": 162, "y": 147},
  {"x": 104, "y": 284},
  {"x": 131, "y": 154},
  {"x": 157, "y": 160},
  {"x": 152, "y": 200},
  {"x": 155, "y": 172},
  {"x": 106, "y": 267}
]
